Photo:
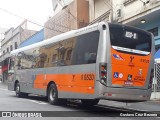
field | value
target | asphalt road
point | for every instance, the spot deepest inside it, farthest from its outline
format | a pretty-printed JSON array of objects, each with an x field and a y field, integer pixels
[{"x": 73, "y": 110}]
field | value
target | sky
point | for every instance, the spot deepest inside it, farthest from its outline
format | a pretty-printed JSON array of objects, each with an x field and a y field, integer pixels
[{"x": 35, "y": 10}]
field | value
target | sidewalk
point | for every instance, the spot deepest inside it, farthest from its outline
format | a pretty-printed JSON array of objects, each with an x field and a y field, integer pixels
[
  {"x": 155, "y": 96},
  {"x": 3, "y": 85}
]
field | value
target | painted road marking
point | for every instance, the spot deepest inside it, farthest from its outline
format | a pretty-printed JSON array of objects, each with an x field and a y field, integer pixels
[{"x": 38, "y": 102}]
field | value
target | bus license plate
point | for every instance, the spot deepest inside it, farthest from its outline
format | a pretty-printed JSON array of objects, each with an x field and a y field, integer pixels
[{"x": 128, "y": 83}]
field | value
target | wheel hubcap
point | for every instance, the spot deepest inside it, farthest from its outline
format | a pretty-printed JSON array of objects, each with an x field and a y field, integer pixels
[
  {"x": 17, "y": 90},
  {"x": 52, "y": 94}
]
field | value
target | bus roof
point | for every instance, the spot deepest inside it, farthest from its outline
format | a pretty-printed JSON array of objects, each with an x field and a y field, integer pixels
[{"x": 60, "y": 37}]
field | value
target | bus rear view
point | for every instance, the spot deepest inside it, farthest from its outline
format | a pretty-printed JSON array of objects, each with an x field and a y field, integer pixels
[
  {"x": 129, "y": 69},
  {"x": 101, "y": 61}
]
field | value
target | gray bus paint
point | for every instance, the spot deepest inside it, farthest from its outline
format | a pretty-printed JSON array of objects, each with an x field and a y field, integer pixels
[{"x": 27, "y": 77}]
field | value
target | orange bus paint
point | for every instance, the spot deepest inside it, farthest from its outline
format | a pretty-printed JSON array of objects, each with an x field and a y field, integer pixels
[
  {"x": 66, "y": 82},
  {"x": 134, "y": 65}
]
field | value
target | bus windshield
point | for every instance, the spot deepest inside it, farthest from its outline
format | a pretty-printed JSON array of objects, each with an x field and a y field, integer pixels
[{"x": 130, "y": 40}]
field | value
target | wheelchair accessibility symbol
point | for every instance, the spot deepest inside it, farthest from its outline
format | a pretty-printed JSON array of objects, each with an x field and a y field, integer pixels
[{"x": 116, "y": 75}]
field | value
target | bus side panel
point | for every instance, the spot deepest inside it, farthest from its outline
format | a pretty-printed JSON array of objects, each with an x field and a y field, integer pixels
[
  {"x": 76, "y": 81},
  {"x": 72, "y": 81},
  {"x": 11, "y": 82},
  {"x": 68, "y": 82},
  {"x": 24, "y": 80}
]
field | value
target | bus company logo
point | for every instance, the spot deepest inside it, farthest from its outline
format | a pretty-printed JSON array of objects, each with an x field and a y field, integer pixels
[
  {"x": 131, "y": 59},
  {"x": 117, "y": 57}
]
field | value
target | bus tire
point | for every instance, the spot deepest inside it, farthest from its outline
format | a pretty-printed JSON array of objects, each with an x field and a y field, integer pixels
[
  {"x": 53, "y": 94},
  {"x": 18, "y": 93},
  {"x": 88, "y": 102}
]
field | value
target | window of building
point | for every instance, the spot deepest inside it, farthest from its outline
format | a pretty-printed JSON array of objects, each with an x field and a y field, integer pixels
[
  {"x": 127, "y": 2},
  {"x": 11, "y": 48},
  {"x": 7, "y": 49},
  {"x": 154, "y": 31},
  {"x": 16, "y": 46},
  {"x": 55, "y": 4}
]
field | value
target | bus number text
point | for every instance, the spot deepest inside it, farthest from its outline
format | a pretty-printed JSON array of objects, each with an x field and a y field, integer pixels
[{"x": 87, "y": 77}]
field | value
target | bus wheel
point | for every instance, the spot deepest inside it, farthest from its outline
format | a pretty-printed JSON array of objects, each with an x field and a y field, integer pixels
[
  {"x": 53, "y": 94},
  {"x": 88, "y": 102},
  {"x": 18, "y": 93}
]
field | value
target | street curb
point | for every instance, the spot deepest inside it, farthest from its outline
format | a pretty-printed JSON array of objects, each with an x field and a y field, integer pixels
[{"x": 155, "y": 100}]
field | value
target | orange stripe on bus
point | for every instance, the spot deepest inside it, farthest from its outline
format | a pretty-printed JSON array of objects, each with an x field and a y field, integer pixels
[{"x": 67, "y": 82}]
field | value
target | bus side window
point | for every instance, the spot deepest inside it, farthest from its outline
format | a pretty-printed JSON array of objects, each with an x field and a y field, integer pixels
[
  {"x": 85, "y": 49},
  {"x": 91, "y": 58}
]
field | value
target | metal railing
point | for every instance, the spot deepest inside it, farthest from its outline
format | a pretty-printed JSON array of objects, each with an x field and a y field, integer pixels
[{"x": 156, "y": 80}]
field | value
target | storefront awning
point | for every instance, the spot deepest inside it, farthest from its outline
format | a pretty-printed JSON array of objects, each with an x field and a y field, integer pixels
[{"x": 4, "y": 68}]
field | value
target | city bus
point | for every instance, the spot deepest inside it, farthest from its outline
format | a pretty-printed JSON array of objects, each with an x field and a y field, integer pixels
[{"x": 101, "y": 61}]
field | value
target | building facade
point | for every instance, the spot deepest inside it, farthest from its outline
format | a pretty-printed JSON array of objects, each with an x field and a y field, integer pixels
[
  {"x": 68, "y": 16},
  {"x": 12, "y": 39},
  {"x": 143, "y": 14},
  {"x": 2, "y": 32},
  {"x": 37, "y": 37},
  {"x": 59, "y": 4},
  {"x": 100, "y": 10}
]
